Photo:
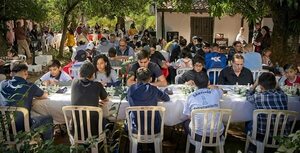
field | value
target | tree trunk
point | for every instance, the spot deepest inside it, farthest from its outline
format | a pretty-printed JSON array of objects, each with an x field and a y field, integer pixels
[
  {"x": 70, "y": 8},
  {"x": 63, "y": 37},
  {"x": 251, "y": 29},
  {"x": 3, "y": 45},
  {"x": 280, "y": 32},
  {"x": 121, "y": 21}
]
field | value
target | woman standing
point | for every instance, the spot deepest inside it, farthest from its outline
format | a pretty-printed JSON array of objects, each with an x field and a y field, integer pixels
[{"x": 70, "y": 39}]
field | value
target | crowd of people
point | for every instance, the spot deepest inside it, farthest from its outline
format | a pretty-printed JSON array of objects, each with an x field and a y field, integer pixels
[{"x": 155, "y": 65}]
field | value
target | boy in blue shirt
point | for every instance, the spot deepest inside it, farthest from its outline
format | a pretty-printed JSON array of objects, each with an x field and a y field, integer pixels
[
  {"x": 143, "y": 93},
  {"x": 215, "y": 59}
]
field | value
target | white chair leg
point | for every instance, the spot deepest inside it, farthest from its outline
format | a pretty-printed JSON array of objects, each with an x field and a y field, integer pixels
[
  {"x": 260, "y": 147},
  {"x": 198, "y": 148},
  {"x": 105, "y": 146},
  {"x": 157, "y": 146},
  {"x": 94, "y": 150},
  {"x": 247, "y": 145},
  {"x": 134, "y": 145},
  {"x": 221, "y": 148},
  {"x": 187, "y": 147}
]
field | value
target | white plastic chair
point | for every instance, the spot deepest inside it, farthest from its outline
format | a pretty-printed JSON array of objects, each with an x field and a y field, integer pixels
[
  {"x": 145, "y": 138},
  {"x": 177, "y": 78},
  {"x": 72, "y": 118},
  {"x": 22, "y": 57},
  {"x": 74, "y": 70},
  {"x": 257, "y": 73},
  {"x": 216, "y": 73},
  {"x": 182, "y": 70},
  {"x": 8, "y": 125},
  {"x": 212, "y": 121},
  {"x": 278, "y": 119},
  {"x": 117, "y": 69}
]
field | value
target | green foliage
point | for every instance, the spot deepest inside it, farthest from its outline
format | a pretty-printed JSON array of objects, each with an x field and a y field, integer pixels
[
  {"x": 114, "y": 8},
  {"x": 23, "y": 9},
  {"x": 289, "y": 144},
  {"x": 104, "y": 22},
  {"x": 31, "y": 142}
]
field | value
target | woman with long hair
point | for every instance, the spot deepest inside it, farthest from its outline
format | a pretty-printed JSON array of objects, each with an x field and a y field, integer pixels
[{"x": 104, "y": 72}]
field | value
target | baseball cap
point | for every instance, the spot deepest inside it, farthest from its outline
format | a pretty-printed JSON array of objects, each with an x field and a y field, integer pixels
[
  {"x": 195, "y": 37},
  {"x": 90, "y": 46}
]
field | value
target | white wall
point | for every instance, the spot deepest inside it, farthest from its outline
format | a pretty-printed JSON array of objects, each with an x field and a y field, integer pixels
[
  {"x": 267, "y": 22},
  {"x": 230, "y": 26},
  {"x": 180, "y": 22}
]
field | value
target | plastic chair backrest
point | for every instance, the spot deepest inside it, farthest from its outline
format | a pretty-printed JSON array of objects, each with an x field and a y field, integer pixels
[
  {"x": 182, "y": 70},
  {"x": 22, "y": 57},
  {"x": 212, "y": 121},
  {"x": 216, "y": 73},
  {"x": 145, "y": 138},
  {"x": 277, "y": 121},
  {"x": 257, "y": 73},
  {"x": 72, "y": 118},
  {"x": 8, "y": 123},
  {"x": 117, "y": 69},
  {"x": 74, "y": 70}
]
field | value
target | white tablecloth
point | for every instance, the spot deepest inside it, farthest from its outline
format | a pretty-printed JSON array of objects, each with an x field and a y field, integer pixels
[{"x": 242, "y": 110}]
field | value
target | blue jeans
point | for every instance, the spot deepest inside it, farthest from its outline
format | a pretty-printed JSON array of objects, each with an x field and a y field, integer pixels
[{"x": 42, "y": 121}]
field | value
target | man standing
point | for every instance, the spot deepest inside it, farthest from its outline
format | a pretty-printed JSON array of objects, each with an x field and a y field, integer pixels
[
  {"x": 20, "y": 35},
  {"x": 19, "y": 92},
  {"x": 158, "y": 78},
  {"x": 236, "y": 73}
]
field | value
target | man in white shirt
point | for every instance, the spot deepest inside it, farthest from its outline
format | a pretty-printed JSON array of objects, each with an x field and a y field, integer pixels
[{"x": 202, "y": 98}]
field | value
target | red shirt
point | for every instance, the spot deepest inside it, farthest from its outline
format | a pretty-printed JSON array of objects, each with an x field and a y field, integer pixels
[{"x": 289, "y": 83}]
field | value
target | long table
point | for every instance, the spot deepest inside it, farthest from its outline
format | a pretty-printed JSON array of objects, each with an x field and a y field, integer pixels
[{"x": 242, "y": 109}]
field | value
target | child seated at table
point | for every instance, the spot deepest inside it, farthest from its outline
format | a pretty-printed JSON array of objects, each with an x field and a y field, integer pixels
[
  {"x": 188, "y": 77},
  {"x": 291, "y": 75},
  {"x": 112, "y": 53},
  {"x": 104, "y": 72},
  {"x": 56, "y": 76},
  {"x": 142, "y": 93},
  {"x": 185, "y": 61},
  {"x": 12, "y": 54},
  {"x": 202, "y": 98},
  {"x": 270, "y": 97},
  {"x": 8, "y": 62},
  {"x": 87, "y": 92}
]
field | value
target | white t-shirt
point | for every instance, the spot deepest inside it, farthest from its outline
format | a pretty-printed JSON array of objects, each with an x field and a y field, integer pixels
[
  {"x": 64, "y": 77},
  {"x": 202, "y": 99},
  {"x": 112, "y": 78}
]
